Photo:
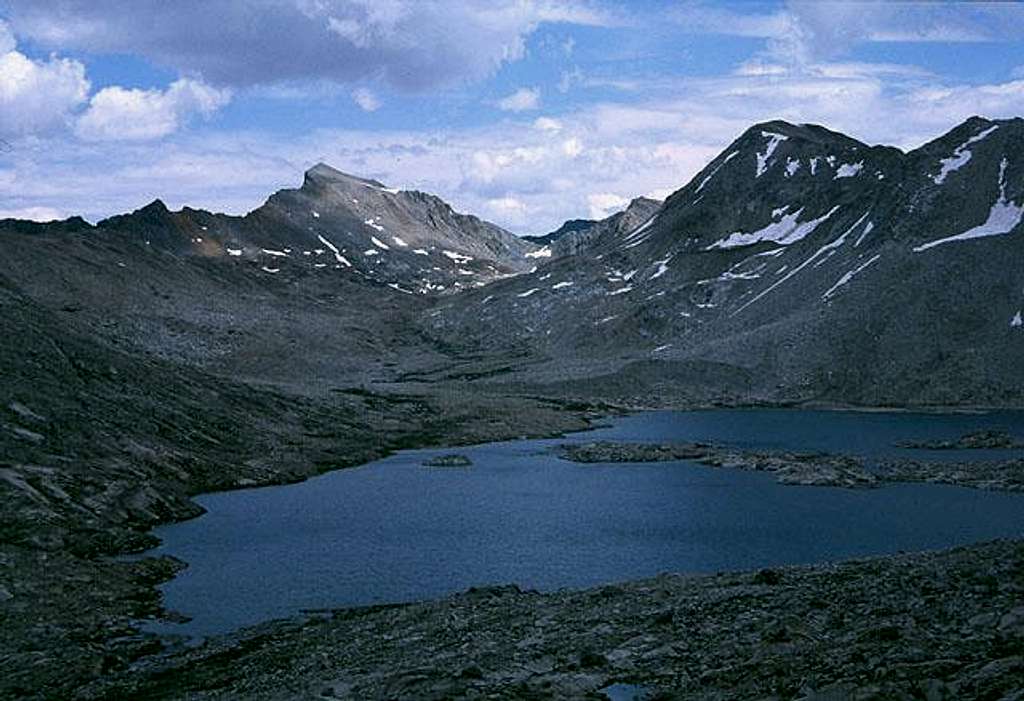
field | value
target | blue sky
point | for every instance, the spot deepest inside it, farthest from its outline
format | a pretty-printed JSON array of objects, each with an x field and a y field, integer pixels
[{"x": 525, "y": 112}]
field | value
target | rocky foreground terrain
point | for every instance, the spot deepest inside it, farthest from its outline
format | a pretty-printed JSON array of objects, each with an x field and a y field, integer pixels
[
  {"x": 157, "y": 355},
  {"x": 935, "y": 626}
]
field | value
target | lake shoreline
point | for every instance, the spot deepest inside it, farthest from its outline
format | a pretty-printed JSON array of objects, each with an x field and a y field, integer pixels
[
  {"x": 60, "y": 598},
  {"x": 949, "y": 624}
]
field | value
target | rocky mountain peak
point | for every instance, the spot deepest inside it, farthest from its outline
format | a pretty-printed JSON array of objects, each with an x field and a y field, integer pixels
[
  {"x": 323, "y": 176},
  {"x": 154, "y": 218}
]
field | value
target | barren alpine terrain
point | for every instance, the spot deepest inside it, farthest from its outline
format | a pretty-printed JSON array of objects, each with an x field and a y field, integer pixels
[
  {"x": 184, "y": 352},
  {"x": 243, "y": 245}
]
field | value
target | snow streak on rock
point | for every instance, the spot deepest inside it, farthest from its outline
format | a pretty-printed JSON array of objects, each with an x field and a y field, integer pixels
[{"x": 1003, "y": 218}]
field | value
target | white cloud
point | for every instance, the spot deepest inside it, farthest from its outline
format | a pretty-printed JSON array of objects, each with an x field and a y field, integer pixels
[
  {"x": 516, "y": 171},
  {"x": 40, "y": 214},
  {"x": 572, "y": 147},
  {"x": 569, "y": 78},
  {"x": 605, "y": 204},
  {"x": 7, "y": 42},
  {"x": 120, "y": 114},
  {"x": 505, "y": 205},
  {"x": 36, "y": 96},
  {"x": 802, "y": 33},
  {"x": 547, "y": 124},
  {"x": 410, "y": 44},
  {"x": 509, "y": 210},
  {"x": 367, "y": 101},
  {"x": 522, "y": 100}
]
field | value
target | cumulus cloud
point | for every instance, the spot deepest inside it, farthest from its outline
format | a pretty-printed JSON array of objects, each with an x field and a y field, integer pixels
[
  {"x": 547, "y": 124},
  {"x": 654, "y": 146},
  {"x": 508, "y": 209},
  {"x": 410, "y": 44},
  {"x": 522, "y": 100},
  {"x": 604, "y": 204},
  {"x": 36, "y": 96},
  {"x": 527, "y": 172},
  {"x": 119, "y": 114},
  {"x": 572, "y": 147},
  {"x": 366, "y": 99}
]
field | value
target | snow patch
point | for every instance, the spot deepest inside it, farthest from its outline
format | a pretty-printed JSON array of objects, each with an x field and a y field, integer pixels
[
  {"x": 784, "y": 232},
  {"x": 561, "y": 285},
  {"x": 334, "y": 249},
  {"x": 544, "y": 252},
  {"x": 396, "y": 286},
  {"x": 827, "y": 249},
  {"x": 528, "y": 292},
  {"x": 867, "y": 230},
  {"x": 1017, "y": 321},
  {"x": 706, "y": 180},
  {"x": 390, "y": 190},
  {"x": 371, "y": 223},
  {"x": 316, "y": 214},
  {"x": 961, "y": 156},
  {"x": 234, "y": 251},
  {"x": 792, "y": 166},
  {"x": 849, "y": 170},
  {"x": 662, "y": 268},
  {"x": 379, "y": 244},
  {"x": 1003, "y": 218},
  {"x": 620, "y": 291},
  {"x": 270, "y": 270},
  {"x": 270, "y": 252},
  {"x": 635, "y": 237},
  {"x": 421, "y": 252},
  {"x": 847, "y": 277},
  {"x": 399, "y": 242},
  {"x": 457, "y": 257},
  {"x": 773, "y": 143}
]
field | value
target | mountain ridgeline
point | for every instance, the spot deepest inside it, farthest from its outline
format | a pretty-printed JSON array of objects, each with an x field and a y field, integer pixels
[{"x": 800, "y": 265}]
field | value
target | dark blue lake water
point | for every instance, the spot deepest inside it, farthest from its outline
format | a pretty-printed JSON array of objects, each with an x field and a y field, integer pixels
[{"x": 394, "y": 530}]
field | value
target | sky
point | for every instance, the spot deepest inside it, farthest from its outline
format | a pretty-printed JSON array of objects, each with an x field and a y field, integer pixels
[{"x": 524, "y": 112}]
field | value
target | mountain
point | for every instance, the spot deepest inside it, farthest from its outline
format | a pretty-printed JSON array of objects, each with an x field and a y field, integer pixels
[
  {"x": 570, "y": 226},
  {"x": 412, "y": 241},
  {"x": 161, "y": 354},
  {"x": 799, "y": 265},
  {"x": 575, "y": 235},
  {"x": 317, "y": 288}
]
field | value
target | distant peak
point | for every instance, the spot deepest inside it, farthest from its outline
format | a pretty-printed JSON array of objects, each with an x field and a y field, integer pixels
[
  {"x": 642, "y": 202},
  {"x": 157, "y": 206},
  {"x": 800, "y": 133},
  {"x": 323, "y": 173},
  {"x": 977, "y": 119},
  {"x": 323, "y": 170},
  {"x": 773, "y": 125}
]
